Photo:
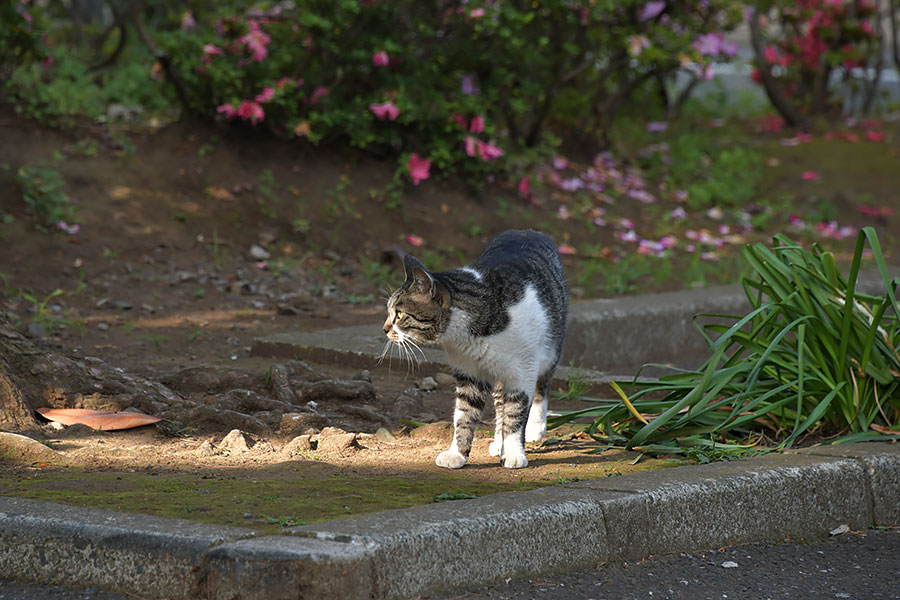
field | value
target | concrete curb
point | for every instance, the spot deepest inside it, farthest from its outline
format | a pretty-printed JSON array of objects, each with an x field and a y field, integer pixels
[
  {"x": 402, "y": 553},
  {"x": 610, "y": 338}
]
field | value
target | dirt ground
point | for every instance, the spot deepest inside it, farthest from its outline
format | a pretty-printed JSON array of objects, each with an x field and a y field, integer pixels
[{"x": 162, "y": 281}]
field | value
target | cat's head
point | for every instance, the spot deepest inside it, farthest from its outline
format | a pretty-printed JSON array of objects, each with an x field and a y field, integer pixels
[{"x": 419, "y": 310}]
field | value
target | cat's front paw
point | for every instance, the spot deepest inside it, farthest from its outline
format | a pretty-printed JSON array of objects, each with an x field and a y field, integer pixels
[
  {"x": 515, "y": 461},
  {"x": 534, "y": 432},
  {"x": 450, "y": 459}
]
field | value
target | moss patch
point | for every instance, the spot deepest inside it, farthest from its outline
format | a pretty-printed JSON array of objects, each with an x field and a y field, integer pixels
[{"x": 291, "y": 493}]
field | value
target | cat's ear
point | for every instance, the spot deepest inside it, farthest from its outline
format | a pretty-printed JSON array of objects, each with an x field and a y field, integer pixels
[{"x": 421, "y": 285}]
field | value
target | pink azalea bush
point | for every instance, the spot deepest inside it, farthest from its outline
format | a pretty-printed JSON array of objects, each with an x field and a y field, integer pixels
[
  {"x": 470, "y": 84},
  {"x": 805, "y": 43}
]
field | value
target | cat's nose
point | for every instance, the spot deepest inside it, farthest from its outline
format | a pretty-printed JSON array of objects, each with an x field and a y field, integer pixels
[{"x": 386, "y": 327}]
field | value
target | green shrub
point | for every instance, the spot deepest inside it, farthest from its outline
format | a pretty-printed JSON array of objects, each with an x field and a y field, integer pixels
[
  {"x": 43, "y": 190},
  {"x": 814, "y": 355}
]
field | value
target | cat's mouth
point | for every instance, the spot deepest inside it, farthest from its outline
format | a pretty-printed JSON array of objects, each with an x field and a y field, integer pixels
[{"x": 408, "y": 347}]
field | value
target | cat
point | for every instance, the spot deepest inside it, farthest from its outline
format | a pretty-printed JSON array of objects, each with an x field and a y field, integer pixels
[{"x": 502, "y": 320}]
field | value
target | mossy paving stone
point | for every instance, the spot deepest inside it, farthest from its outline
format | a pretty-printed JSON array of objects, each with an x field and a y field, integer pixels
[{"x": 275, "y": 493}]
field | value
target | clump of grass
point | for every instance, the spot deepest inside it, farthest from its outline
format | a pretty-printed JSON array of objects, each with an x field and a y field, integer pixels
[{"x": 813, "y": 356}]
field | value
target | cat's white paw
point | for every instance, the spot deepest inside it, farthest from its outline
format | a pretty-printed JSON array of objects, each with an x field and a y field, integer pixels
[
  {"x": 495, "y": 447},
  {"x": 450, "y": 459},
  {"x": 534, "y": 432},
  {"x": 515, "y": 461}
]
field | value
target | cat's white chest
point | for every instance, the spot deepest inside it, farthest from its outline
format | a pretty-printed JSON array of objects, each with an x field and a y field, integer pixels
[{"x": 514, "y": 356}]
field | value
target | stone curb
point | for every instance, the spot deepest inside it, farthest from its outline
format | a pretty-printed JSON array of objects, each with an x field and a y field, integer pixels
[
  {"x": 425, "y": 549},
  {"x": 609, "y": 338}
]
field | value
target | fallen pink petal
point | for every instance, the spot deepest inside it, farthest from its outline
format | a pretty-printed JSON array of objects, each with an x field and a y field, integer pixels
[
  {"x": 415, "y": 240},
  {"x": 567, "y": 249},
  {"x": 810, "y": 176}
]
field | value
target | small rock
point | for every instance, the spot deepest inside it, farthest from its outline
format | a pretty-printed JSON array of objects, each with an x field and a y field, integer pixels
[
  {"x": 406, "y": 405},
  {"x": 445, "y": 380},
  {"x": 102, "y": 326},
  {"x": 336, "y": 443},
  {"x": 123, "y": 304},
  {"x": 257, "y": 252},
  {"x": 729, "y": 564},
  {"x": 442, "y": 431},
  {"x": 235, "y": 442},
  {"x": 383, "y": 435},
  {"x": 36, "y": 330},
  {"x": 147, "y": 308},
  {"x": 841, "y": 530},
  {"x": 365, "y": 375},
  {"x": 205, "y": 449},
  {"x": 101, "y": 303},
  {"x": 426, "y": 417},
  {"x": 77, "y": 430},
  {"x": 427, "y": 384},
  {"x": 299, "y": 444},
  {"x": 23, "y": 449},
  {"x": 331, "y": 431}
]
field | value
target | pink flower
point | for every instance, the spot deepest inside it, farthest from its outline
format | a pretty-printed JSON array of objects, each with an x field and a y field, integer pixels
[
  {"x": 318, "y": 93},
  {"x": 415, "y": 240},
  {"x": 875, "y": 136},
  {"x": 652, "y": 10},
  {"x": 524, "y": 187},
  {"x": 266, "y": 95},
  {"x": 470, "y": 144},
  {"x": 418, "y": 168},
  {"x": 188, "y": 21},
  {"x": 256, "y": 41},
  {"x": 387, "y": 110},
  {"x": 251, "y": 111},
  {"x": 227, "y": 110},
  {"x": 459, "y": 120},
  {"x": 637, "y": 43},
  {"x": 489, "y": 151},
  {"x": 381, "y": 59},
  {"x": 211, "y": 50},
  {"x": 560, "y": 163},
  {"x": 810, "y": 176},
  {"x": 566, "y": 249},
  {"x": 709, "y": 44},
  {"x": 678, "y": 213},
  {"x": 477, "y": 13},
  {"x": 477, "y": 125}
]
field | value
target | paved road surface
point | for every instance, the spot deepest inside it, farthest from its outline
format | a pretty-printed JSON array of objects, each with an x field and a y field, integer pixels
[{"x": 853, "y": 566}]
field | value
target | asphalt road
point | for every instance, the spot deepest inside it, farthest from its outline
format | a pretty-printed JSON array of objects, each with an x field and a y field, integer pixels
[
  {"x": 853, "y": 566},
  {"x": 856, "y": 566}
]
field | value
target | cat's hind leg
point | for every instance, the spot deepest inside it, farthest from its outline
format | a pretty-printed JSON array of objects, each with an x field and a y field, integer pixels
[
  {"x": 537, "y": 415},
  {"x": 471, "y": 395},
  {"x": 496, "y": 446}
]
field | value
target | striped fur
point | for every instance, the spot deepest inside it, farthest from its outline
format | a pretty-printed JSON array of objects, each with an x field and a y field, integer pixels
[{"x": 502, "y": 321}]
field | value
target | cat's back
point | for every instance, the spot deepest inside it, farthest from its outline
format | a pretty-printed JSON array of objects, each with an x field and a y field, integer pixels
[
  {"x": 518, "y": 258},
  {"x": 522, "y": 248}
]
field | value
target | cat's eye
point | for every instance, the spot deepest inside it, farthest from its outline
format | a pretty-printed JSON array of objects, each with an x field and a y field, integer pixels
[{"x": 398, "y": 315}]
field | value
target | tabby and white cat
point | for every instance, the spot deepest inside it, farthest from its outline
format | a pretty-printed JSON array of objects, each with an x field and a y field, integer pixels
[{"x": 502, "y": 320}]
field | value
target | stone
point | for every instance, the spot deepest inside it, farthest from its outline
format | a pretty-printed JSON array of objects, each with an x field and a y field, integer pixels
[
  {"x": 441, "y": 431},
  {"x": 331, "y": 431},
  {"x": 339, "y": 444},
  {"x": 406, "y": 405},
  {"x": 235, "y": 442},
  {"x": 383, "y": 435},
  {"x": 205, "y": 449},
  {"x": 428, "y": 384},
  {"x": 257, "y": 252},
  {"x": 299, "y": 444},
  {"x": 445, "y": 380},
  {"x": 23, "y": 449}
]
